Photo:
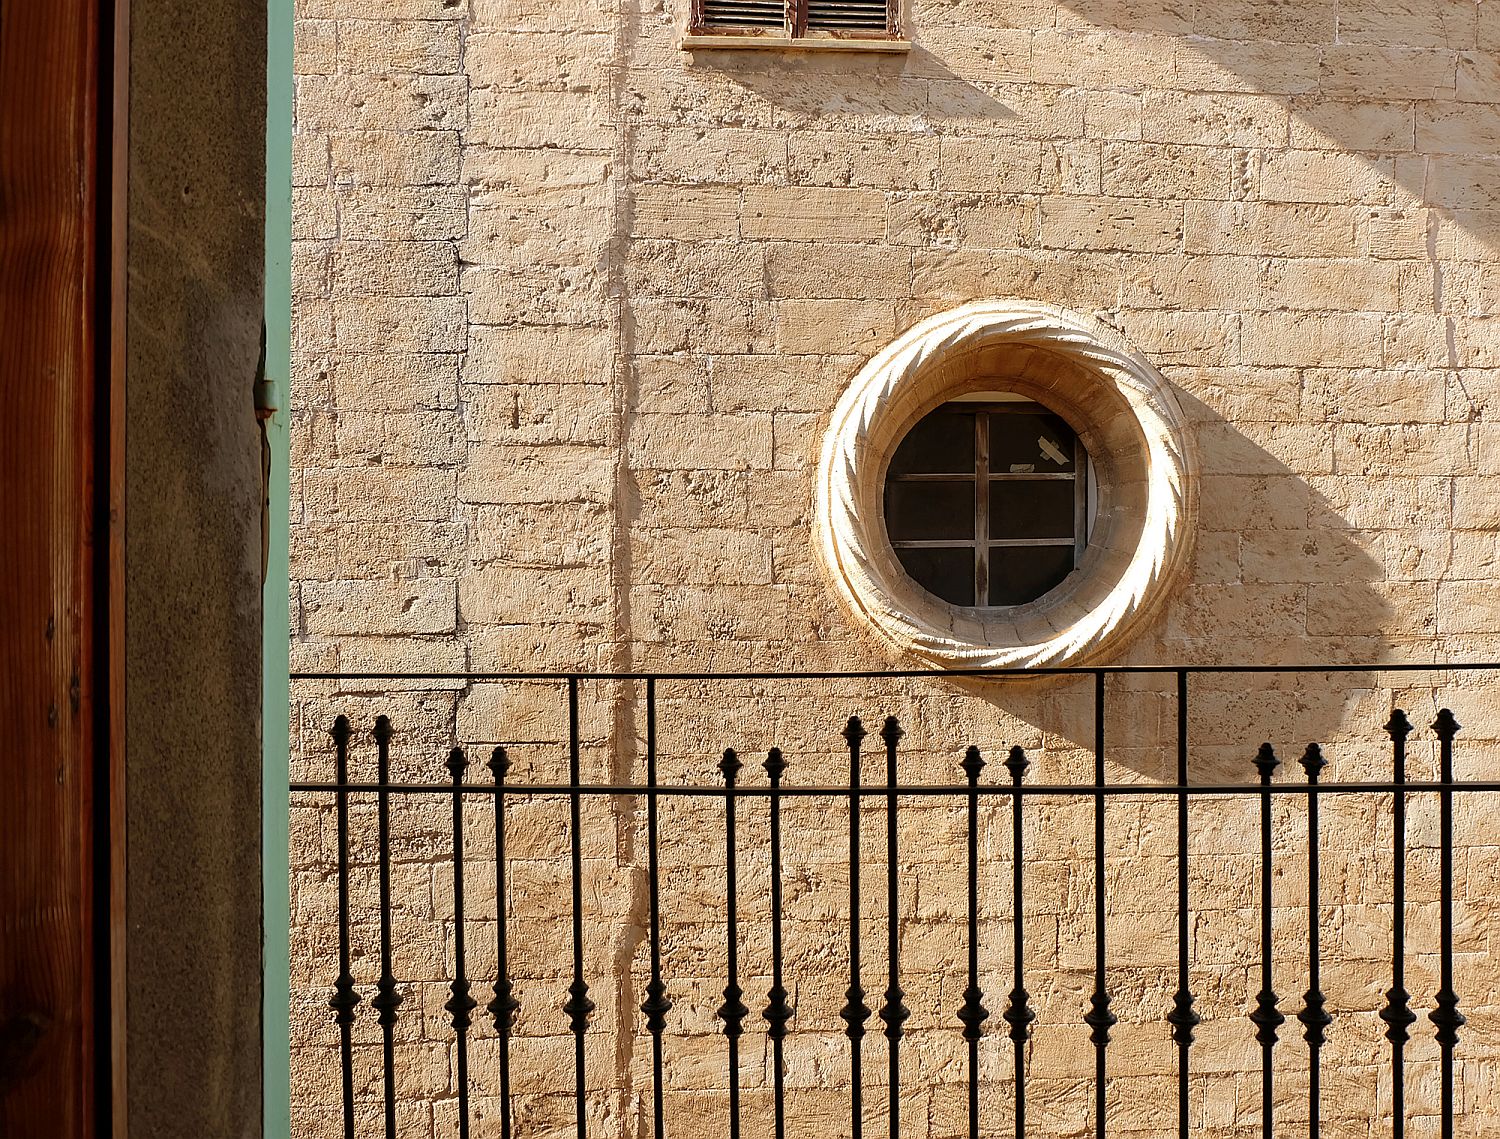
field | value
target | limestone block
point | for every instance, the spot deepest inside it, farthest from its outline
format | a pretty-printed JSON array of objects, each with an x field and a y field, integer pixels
[
  {"x": 1150, "y": 170},
  {"x": 310, "y": 159},
  {"x": 1215, "y": 282},
  {"x": 541, "y": 16},
  {"x": 1352, "y": 125},
  {"x": 1266, "y": 67},
  {"x": 686, "y": 213},
  {"x": 497, "y": 473},
  {"x": 376, "y": 495},
  {"x": 1397, "y": 72},
  {"x": 400, "y": 213},
  {"x": 716, "y": 442},
  {"x": 423, "y": 605},
  {"x": 384, "y": 381},
  {"x": 697, "y": 269},
  {"x": 835, "y": 158},
  {"x": 824, "y": 327},
  {"x": 402, "y": 324},
  {"x": 1113, "y": 115},
  {"x": 959, "y": 221},
  {"x": 804, "y": 213},
  {"x": 542, "y": 536},
  {"x": 990, "y": 165},
  {"x": 538, "y": 413},
  {"x": 313, "y": 214},
  {"x": 423, "y": 438},
  {"x": 424, "y": 46},
  {"x": 395, "y": 268},
  {"x": 552, "y": 295},
  {"x": 848, "y": 271},
  {"x": 1120, "y": 224},
  {"x": 1323, "y": 176},
  {"x": 1338, "y": 285},
  {"x": 1087, "y": 281},
  {"x": 541, "y": 355},
  {"x": 538, "y": 60},
  {"x": 776, "y": 383},
  {"x": 1098, "y": 59},
  {"x": 315, "y": 46},
  {"x": 1467, "y": 606},
  {"x": 702, "y": 557},
  {"x": 395, "y": 158},
  {"x": 567, "y": 119},
  {"x": 1478, "y": 74},
  {"x": 489, "y": 168},
  {"x": 668, "y": 325},
  {"x": 1213, "y": 119},
  {"x": 729, "y": 156},
  {"x": 1351, "y": 340},
  {"x": 507, "y": 594},
  {"x": 1404, "y": 23},
  {"x": 382, "y": 102},
  {"x": 1275, "y": 229},
  {"x": 1178, "y": 336}
]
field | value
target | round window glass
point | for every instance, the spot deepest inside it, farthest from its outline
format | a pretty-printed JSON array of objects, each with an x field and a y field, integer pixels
[{"x": 987, "y": 501}]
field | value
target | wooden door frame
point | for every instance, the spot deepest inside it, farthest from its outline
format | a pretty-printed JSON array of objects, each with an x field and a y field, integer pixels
[{"x": 61, "y": 613}]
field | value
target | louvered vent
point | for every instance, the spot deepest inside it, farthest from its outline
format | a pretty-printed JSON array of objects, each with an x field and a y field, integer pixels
[
  {"x": 846, "y": 15},
  {"x": 744, "y": 14}
]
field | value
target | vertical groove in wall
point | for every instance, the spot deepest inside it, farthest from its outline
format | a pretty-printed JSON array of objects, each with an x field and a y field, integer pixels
[{"x": 626, "y": 697}]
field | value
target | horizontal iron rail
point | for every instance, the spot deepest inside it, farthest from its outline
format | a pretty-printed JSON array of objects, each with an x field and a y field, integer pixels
[
  {"x": 957, "y": 790},
  {"x": 915, "y": 673}
]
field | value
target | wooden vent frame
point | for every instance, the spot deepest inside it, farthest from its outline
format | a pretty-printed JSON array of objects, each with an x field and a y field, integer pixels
[{"x": 802, "y": 20}]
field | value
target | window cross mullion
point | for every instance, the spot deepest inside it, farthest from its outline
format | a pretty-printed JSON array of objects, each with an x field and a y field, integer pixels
[{"x": 981, "y": 509}]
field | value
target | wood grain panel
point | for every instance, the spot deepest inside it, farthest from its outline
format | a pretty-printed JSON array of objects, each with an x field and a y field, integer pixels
[{"x": 51, "y": 556}]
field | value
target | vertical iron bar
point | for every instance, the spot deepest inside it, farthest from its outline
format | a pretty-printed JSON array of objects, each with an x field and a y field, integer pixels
[
  {"x": 855, "y": 1012},
  {"x": 893, "y": 1011},
  {"x": 460, "y": 1005},
  {"x": 1099, "y": 1019},
  {"x": 386, "y": 998},
  {"x": 504, "y": 1006},
  {"x": 578, "y": 1006},
  {"x": 1446, "y": 1017},
  {"x": 973, "y": 1014},
  {"x": 1315, "y": 1020},
  {"x": 1018, "y": 1012},
  {"x": 1267, "y": 1018},
  {"x": 344, "y": 997},
  {"x": 1397, "y": 1012},
  {"x": 777, "y": 1011},
  {"x": 733, "y": 1011},
  {"x": 1182, "y": 1018},
  {"x": 656, "y": 1005}
]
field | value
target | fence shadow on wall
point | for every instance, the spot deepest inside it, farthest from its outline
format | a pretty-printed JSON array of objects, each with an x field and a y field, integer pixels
[{"x": 680, "y": 944}]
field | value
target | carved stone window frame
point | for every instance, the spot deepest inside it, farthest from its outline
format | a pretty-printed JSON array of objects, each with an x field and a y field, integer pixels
[{"x": 1128, "y": 421}]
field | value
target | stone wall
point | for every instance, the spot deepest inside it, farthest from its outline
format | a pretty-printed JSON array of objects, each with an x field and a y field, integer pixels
[{"x": 572, "y": 311}]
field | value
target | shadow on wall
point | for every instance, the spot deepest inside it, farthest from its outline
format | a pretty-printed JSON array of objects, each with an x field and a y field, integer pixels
[
  {"x": 1278, "y": 574},
  {"x": 1376, "y": 95},
  {"x": 1327, "y": 103}
]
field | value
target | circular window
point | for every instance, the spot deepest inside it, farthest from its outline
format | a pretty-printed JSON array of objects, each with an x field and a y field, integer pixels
[
  {"x": 1005, "y": 485},
  {"x": 986, "y": 501}
]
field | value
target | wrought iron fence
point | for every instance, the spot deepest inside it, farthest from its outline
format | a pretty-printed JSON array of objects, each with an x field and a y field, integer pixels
[{"x": 972, "y": 1020}]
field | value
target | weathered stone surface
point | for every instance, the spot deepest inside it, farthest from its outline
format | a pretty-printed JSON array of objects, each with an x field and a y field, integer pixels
[{"x": 572, "y": 309}]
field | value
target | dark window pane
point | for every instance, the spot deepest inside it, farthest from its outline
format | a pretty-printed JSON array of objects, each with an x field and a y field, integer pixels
[
  {"x": 942, "y": 444},
  {"x": 1026, "y": 509},
  {"x": 1023, "y": 573},
  {"x": 916, "y": 511},
  {"x": 948, "y": 574},
  {"x": 1022, "y": 442}
]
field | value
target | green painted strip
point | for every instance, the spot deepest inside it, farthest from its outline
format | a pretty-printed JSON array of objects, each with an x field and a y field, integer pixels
[{"x": 275, "y": 699}]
